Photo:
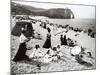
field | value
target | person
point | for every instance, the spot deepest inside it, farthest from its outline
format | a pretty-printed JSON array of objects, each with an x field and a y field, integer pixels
[
  {"x": 70, "y": 42},
  {"x": 89, "y": 31},
  {"x": 36, "y": 53},
  {"x": 59, "y": 53},
  {"x": 21, "y": 53},
  {"x": 54, "y": 54},
  {"x": 62, "y": 39},
  {"x": 47, "y": 57},
  {"x": 47, "y": 43},
  {"x": 65, "y": 41},
  {"x": 84, "y": 60}
]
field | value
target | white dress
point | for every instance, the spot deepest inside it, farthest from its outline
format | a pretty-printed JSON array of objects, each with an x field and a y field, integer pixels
[
  {"x": 47, "y": 59},
  {"x": 43, "y": 58},
  {"x": 76, "y": 50},
  {"x": 59, "y": 53},
  {"x": 36, "y": 53}
]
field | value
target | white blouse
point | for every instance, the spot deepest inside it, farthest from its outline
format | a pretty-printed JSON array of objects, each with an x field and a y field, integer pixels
[{"x": 22, "y": 38}]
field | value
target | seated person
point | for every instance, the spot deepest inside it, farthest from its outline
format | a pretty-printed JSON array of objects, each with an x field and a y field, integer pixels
[
  {"x": 59, "y": 53},
  {"x": 75, "y": 50},
  {"x": 81, "y": 57},
  {"x": 36, "y": 53},
  {"x": 47, "y": 57},
  {"x": 54, "y": 55}
]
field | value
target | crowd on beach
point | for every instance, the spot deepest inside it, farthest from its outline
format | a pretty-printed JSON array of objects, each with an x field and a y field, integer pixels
[{"x": 53, "y": 53}]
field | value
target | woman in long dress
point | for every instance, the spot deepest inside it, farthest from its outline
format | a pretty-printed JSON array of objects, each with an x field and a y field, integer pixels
[
  {"x": 20, "y": 55},
  {"x": 47, "y": 43},
  {"x": 62, "y": 39},
  {"x": 65, "y": 41}
]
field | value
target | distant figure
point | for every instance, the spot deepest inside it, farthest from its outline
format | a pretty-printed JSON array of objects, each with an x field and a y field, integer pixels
[
  {"x": 20, "y": 55},
  {"x": 93, "y": 34},
  {"x": 89, "y": 54},
  {"x": 89, "y": 31},
  {"x": 62, "y": 39},
  {"x": 71, "y": 43},
  {"x": 47, "y": 43},
  {"x": 65, "y": 41},
  {"x": 45, "y": 25}
]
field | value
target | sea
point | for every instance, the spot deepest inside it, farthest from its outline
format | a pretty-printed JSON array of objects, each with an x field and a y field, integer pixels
[{"x": 76, "y": 23}]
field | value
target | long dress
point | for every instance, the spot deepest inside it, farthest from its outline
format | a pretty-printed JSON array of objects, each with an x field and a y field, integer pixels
[
  {"x": 47, "y": 43},
  {"x": 62, "y": 40},
  {"x": 65, "y": 41},
  {"x": 21, "y": 53}
]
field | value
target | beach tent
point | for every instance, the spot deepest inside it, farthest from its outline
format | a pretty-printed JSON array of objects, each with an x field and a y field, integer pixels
[{"x": 17, "y": 29}]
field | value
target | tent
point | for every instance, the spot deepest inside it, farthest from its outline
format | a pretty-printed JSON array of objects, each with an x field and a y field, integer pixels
[{"x": 17, "y": 29}]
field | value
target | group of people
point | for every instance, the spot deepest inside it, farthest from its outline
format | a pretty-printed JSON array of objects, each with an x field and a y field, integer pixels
[
  {"x": 52, "y": 53},
  {"x": 67, "y": 41},
  {"x": 82, "y": 56},
  {"x": 91, "y": 33}
]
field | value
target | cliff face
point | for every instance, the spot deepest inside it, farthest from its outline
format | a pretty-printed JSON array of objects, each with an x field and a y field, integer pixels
[
  {"x": 60, "y": 13},
  {"x": 17, "y": 9}
]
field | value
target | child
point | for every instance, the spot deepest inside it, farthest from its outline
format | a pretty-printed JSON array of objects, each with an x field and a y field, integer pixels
[
  {"x": 47, "y": 58},
  {"x": 36, "y": 53},
  {"x": 54, "y": 55},
  {"x": 59, "y": 53}
]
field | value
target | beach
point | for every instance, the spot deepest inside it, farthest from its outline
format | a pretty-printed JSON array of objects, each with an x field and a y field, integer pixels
[{"x": 69, "y": 63}]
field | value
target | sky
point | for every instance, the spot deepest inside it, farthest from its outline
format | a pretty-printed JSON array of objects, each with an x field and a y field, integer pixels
[{"x": 80, "y": 11}]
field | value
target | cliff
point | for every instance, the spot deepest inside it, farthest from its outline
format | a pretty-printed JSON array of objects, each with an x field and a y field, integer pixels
[{"x": 18, "y": 9}]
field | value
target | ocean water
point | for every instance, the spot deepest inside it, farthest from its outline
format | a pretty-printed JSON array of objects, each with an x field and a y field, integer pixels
[{"x": 80, "y": 23}]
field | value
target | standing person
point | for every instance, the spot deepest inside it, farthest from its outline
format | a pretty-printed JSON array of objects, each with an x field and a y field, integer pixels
[
  {"x": 65, "y": 41},
  {"x": 62, "y": 39},
  {"x": 20, "y": 55},
  {"x": 47, "y": 43}
]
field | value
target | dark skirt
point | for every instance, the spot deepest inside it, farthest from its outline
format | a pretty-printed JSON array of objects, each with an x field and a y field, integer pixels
[
  {"x": 20, "y": 55},
  {"x": 65, "y": 42},
  {"x": 47, "y": 43}
]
